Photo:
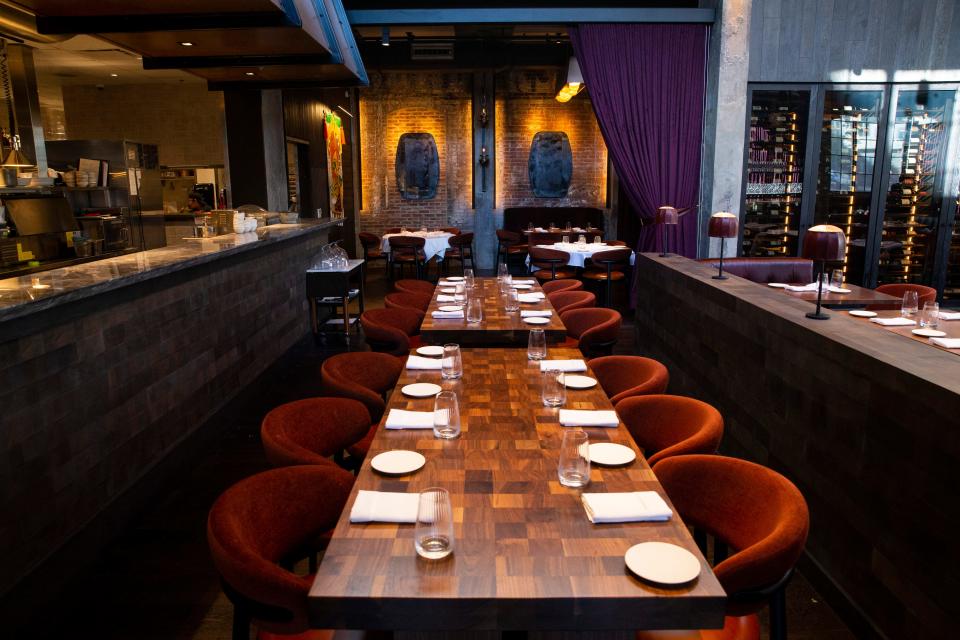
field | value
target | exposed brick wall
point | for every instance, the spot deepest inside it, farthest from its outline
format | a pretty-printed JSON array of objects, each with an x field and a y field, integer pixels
[
  {"x": 525, "y": 105},
  {"x": 97, "y": 392},
  {"x": 184, "y": 119}
]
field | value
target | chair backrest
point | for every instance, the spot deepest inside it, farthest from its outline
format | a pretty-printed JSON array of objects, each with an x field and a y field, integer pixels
[
  {"x": 547, "y": 237},
  {"x": 765, "y": 270},
  {"x": 564, "y": 301},
  {"x": 311, "y": 430},
  {"x": 453, "y": 230},
  {"x": 402, "y": 300},
  {"x": 625, "y": 376},
  {"x": 614, "y": 257},
  {"x": 363, "y": 376},
  {"x": 462, "y": 240},
  {"x": 754, "y": 510},
  {"x": 369, "y": 240},
  {"x": 508, "y": 237},
  {"x": 419, "y": 287},
  {"x": 615, "y": 243},
  {"x": 260, "y": 521},
  {"x": 556, "y": 286},
  {"x": 597, "y": 329},
  {"x": 389, "y": 330},
  {"x": 406, "y": 243},
  {"x": 924, "y": 294},
  {"x": 546, "y": 257},
  {"x": 666, "y": 426}
]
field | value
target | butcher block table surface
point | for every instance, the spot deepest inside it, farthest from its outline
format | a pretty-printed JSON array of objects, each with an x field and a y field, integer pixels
[
  {"x": 525, "y": 555},
  {"x": 498, "y": 328}
]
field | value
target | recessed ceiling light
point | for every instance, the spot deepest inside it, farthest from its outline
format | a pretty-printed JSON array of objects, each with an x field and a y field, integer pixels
[
  {"x": 186, "y": 44},
  {"x": 249, "y": 73},
  {"x": 114, "y": 75}
]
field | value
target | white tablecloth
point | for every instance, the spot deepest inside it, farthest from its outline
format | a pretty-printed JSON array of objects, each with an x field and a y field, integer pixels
[
  {"x": 580, "y": 252},
  {"x": 436, "y": 243}
]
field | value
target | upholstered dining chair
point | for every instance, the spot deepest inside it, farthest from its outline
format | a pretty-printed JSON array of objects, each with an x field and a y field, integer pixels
[
  {"x": 509, "y": 243},
  {"x": 564, "y": 301},
  {"x": 403, "y": 300},
  {"x": 393, "y": 331},
  {"x": 312, "y": 430},
  {"x": 551, "y": 264},
  {"x": 372, "y": 249},
  {"x": 626, "y": 376},
  {"x": 664, "y": 425},
  {"x": 555, "y": 286},
  {"x": 608, "y": 267},
  {"x": 594, "y": 331},
  {"x": 924, "y": 294},
  {"x": 420, "y": 287},
  {"x": 752, "y": 510},
  {"x": 407, "y": 250},
  {"x": 461, "y": 250},
  {"x": 267, "y": 521}
]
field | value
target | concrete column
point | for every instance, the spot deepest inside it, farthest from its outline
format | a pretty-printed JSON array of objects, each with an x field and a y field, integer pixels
[
  {"x": 728, "y": 63},
  {"x": 26, "y": 104},
  {"x": 484, "y": 189},
  {"x": 256, "y": 149}
]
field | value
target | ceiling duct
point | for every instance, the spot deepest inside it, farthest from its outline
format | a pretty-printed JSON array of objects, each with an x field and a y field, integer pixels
[
  {"x": 21, "y": 26},
  {"x": 431, "y": 51}
]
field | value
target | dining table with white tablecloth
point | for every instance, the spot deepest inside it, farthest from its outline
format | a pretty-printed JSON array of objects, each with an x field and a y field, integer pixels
[
  {"x": 436, "y": 243},
  {"x": 580, "y": 252}
]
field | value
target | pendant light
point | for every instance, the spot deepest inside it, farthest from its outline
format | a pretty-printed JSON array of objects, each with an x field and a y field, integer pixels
[{"x": 574, "y": 84}]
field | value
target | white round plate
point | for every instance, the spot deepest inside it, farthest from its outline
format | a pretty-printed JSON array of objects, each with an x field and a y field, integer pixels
[
  {"x": 449, "y": 307},
  {"x": 398, "y": 462},
  {"x": 454, "y": 279},
  {"x": 929, "y": 333},
  {"x": 776, "y": 285},
  {"x": 421, "y": 390},
  {"x": 448, "y": 290},
  {"x": 522, "y": 286},
  {"x": 611, "y": 454},
  {"x": 579, "y": 382},
  {"x": 433, "y": 351},
  {"x": 662, "y": 562},
  {"x": 839, "y": 290},
  {"x": 863, "y": 313},
  {"x": 537, "y": 320}
]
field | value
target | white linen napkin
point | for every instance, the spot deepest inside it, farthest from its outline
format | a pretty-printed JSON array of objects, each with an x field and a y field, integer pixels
[
  {"x": 946, "y": 343},
  {"x": 536, "y": 313},
  {"x": 530, "y": 281},
  {"x": 426, "y": 364},
  {"x": 444, "y": 298},
  {"x": 894, "y": 322},
  {"x": 563, "y": 365},
  {"x": 634, "y": 506},
  {"x": 536, "y": 296},
  {"x": 587, "y": 418},
  {"x": 950, "y": 315},
  {"x": 540, "y": 230},
  {"x": 833, "y": 289},
  {"x": 447, "y": 314},
  {"x": 804, "y": 287},
  {"x": 449, "y": 283},
  {"x": 385, "y": 506},
  {"x": 403, "y": 419}
]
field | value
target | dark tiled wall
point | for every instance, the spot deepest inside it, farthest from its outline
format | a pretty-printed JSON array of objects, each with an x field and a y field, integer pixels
[{"x": 97, "y": 392}]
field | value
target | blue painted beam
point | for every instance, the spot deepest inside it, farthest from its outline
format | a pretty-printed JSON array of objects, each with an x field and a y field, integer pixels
[{"x": 361, "y": 17}]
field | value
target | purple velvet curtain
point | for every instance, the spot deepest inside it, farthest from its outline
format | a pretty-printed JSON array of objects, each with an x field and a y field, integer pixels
[{"x": 646, "y": 82}]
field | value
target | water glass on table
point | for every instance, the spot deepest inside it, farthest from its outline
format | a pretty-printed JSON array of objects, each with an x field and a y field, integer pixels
[
  {"x": 574, "y": 466},
  {"x": 502, "y": 271},
  {"x": 537, "y": 345},
  {"x": 836, "y": 278},
  {"x": 581, "y": 239},
  {"x": 596, "y": 240},
  {"x": 506, "y": 283},
  {"x": 511, "y": 301},
  {"x": 930, "y": 318},
  {"x": 474, "y": 310},
  {"x": 460, "y": 294},
  {"x": 451, "y": 365},
  {"x": 433, "y": 533},
  {"x": 910, "y": 304},
  {"x": 565, "y": 240},
  {"x": 446, "y": 415},
  {"x": 553, "y": 390},
  {"x": 468, "y": 278}
]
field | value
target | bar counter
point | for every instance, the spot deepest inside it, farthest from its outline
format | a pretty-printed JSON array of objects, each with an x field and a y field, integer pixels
[
  {"x": 866, "y": 423},
  {"x": 109, "y": 367}
]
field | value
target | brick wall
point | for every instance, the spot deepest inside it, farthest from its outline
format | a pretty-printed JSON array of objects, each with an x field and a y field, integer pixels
[{"x": 184, "y": 119}]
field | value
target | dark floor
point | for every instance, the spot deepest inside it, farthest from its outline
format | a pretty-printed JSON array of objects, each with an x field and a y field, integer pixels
[{"x": 156, "y": 579}]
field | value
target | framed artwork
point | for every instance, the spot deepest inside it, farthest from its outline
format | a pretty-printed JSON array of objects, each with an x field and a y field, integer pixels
[
  {"x": 333, "y": 130},
  {"x": 551, "y": 164},
  {"x": 417, "y": 166}
]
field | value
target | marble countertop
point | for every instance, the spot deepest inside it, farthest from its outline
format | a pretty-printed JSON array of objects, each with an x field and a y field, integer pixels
[{"x": 32, "y": 293}]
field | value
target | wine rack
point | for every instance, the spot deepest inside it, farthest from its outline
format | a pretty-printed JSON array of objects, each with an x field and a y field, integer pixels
[{"x": 951, "y": 289}]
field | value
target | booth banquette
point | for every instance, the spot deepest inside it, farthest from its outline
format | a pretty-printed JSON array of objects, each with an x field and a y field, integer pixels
[
  {"x": 520, "y": 218},
  {"x": 764, "y": 270}
]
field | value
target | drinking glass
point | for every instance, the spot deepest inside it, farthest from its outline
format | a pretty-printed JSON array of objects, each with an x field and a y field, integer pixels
[
  {"x": 825, "y": 280},
  {"x": 910, "y": 304},
  {"x": 446, "y": 415},
  {"x": 574, "y": 466},
  {"x": 474, "y": 309},
  {"x": 566, "y": 240},
  {"x": 511, "y": 301},
  {"x": 403, "y": 230},
  {"x": 537, "y": 345},
  {"x": 460, "y": 294},
  {"x": 836, "y": 278},
  {"x": 569, "y": 226},
  {"x": 529, "y": 226},
  {"x": 553, "y": 391},
  {"x": 502, "y": 271},
  {"x": 433, "y": 534},
  {"x": 468, "y": 277},
  {"x": 506, "y": 284},
  {"x": 581, "y": 239},
  {"x": 552, "y": 225},
  {"x": 596, "y": 240},
  {"x": 452, "y": 363},
  {"x": 930, "y": 318}
]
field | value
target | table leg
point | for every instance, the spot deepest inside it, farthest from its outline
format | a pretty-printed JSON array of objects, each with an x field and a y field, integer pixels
[
  {"x": 313, "y": 316},
  {"x": 346, "y": 317}
]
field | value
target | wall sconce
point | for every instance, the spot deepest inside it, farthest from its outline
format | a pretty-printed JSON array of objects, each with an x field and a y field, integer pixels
[
  {"x": 385, "y": 36},
  {"x": 483, "y": 118},
  {"x": 574, "y": 84}
]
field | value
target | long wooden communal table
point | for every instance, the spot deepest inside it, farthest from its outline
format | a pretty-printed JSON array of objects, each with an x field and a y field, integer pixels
[
  {"x": 498, "y": 328},
  {"x": 525, "y": 555},
  {"x": 949, "y": 327},
  {"x": 858, "y": 296}
]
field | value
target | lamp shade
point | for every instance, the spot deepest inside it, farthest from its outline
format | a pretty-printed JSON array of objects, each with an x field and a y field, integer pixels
[
  {"x": 15, "y": 158},
  {"x": 722, "y": 225},
  {"x": 667, "y": 215},
  {"x": 825, "y": 243}
]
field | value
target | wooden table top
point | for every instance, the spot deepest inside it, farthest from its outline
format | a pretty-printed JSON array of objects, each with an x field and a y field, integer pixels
[
  {"x": 525, "y": 554},
  {"x": 498, "y": 328},
  {"x": 857, "y": 296},
  {"x": 950, "y": 327}
]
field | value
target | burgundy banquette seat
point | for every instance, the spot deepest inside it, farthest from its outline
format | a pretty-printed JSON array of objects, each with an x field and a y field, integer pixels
[{"x": 763, "y": 270}]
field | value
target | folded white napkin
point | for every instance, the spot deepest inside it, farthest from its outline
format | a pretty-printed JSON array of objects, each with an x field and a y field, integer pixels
[
  {"x": 635, "y": 506},
  {"x": 804, "y": 287},
  {"x": 448, "y": 290},
  {"x": 894, "y": 322},
  {"x": 536, "y": 313},
  {"x": 563, "y": 365},
  {"x": 586, "y": 418},
  {"x": 403, "y": 419},
  {"x": 530, "y": 281},
  {"x": 833, "y": 289},
  {"x": 950, "y": 315},
  {"x": 946, "y": 343},
  {"x": 445, "y": 283},
  {"x": 427, "y": 364},
  {"x": 447, "y": 314},
  {"x": 540, "y": 230},
  {"x": 443, "y": 298},
  {"x": 385, "y": 506},
  {"x": 536, "y": 296}
]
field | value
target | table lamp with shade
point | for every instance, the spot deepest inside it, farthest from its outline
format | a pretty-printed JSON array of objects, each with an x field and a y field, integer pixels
[
  {"x": 823, "y": 243},
  {"x": 666, "y": 215},
  {"x": 723, "y": 225}
]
